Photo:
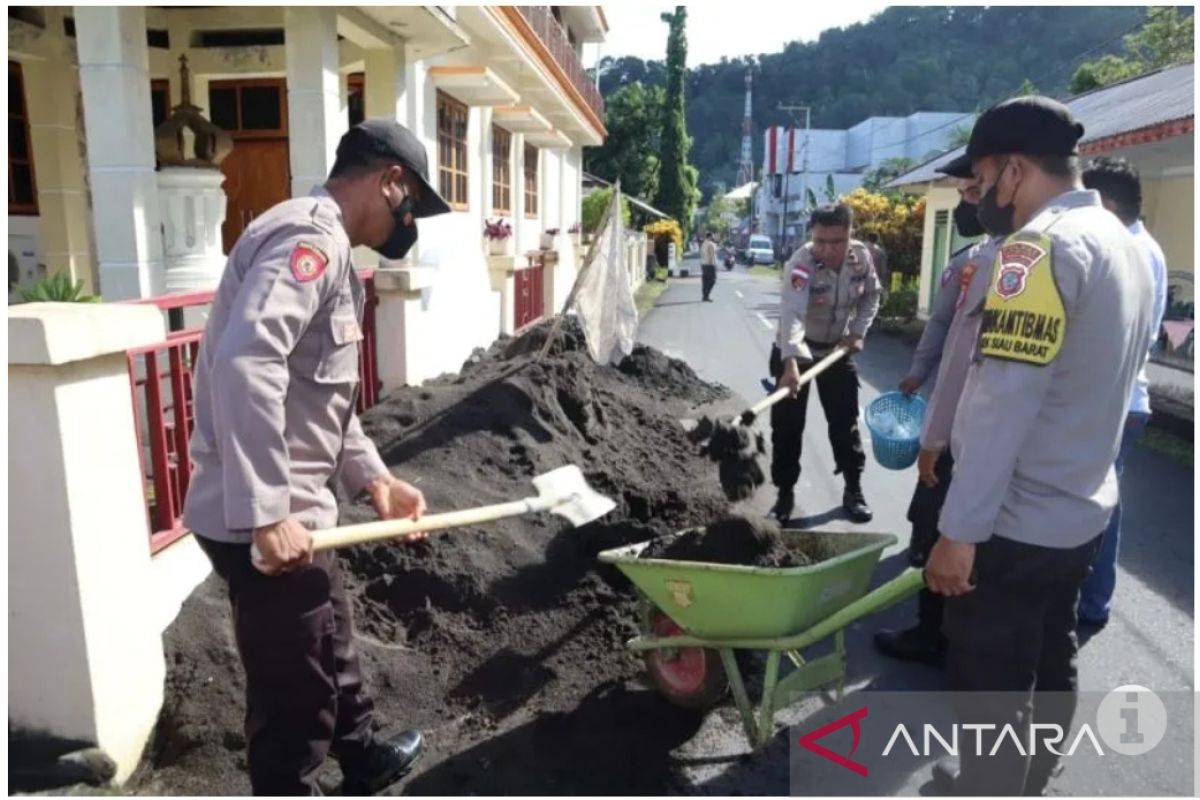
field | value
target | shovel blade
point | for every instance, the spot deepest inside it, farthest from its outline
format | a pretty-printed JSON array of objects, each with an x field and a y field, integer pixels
[{"x": 571, "y": 497}]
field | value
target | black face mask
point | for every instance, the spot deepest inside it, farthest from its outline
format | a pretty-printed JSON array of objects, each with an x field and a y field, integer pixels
[
  {"x": 404, "y": 235},
  {"x": 966, "y": 220},
  {"x": 996, "y": 220}
]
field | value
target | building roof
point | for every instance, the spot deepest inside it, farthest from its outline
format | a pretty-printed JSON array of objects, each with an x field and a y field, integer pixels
[
  {"x": 633, "y": 201},
  {"x": 1148, "y": 101},
  {"x": 742, "y": 192}
]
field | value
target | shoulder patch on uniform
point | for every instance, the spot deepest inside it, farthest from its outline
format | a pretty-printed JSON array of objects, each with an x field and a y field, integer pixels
[
  {"x": 1024, "y": 318},
  {"x": 965, "y": 276},
  {"x": 800, "y": 276},
  {"x": 307, "y": 262},
  {"x": 947, "y": 276}
]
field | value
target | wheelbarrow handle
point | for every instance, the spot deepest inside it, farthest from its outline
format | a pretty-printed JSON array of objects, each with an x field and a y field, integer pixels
[{"x": 749, "y": 415}]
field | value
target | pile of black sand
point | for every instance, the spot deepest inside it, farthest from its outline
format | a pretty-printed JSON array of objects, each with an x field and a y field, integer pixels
[
  {"x": 504, "y": 642},
  {"x": 732, "y": 540}
]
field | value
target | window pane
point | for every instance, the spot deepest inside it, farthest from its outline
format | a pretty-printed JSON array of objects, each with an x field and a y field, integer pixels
[
  {"x": 444, "y": 184},
  {"x": 22, "y": 188},
  {"x": 18, "y": 148},
  {"x": 260, "y": 108},
  {"x": 222, "y": 105}
]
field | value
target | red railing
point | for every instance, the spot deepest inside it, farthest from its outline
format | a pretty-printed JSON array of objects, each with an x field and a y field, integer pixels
[
  {"x": 160, "y": 377},
  {"x": 551, "y": 32},
  {"x": 529, "y": 295}
]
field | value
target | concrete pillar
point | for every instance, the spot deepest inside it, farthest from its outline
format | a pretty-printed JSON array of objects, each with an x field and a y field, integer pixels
[
  {"x": 400, "y": 293},
  {"x": 50, "y": 90},
  {"x": 385, "y": 73},
  {"x": 115, "y": 78},
  {"x": 315, "y": 123},
  {"x": 193, "y": 212},
  {"x": 85, "y": 649}
]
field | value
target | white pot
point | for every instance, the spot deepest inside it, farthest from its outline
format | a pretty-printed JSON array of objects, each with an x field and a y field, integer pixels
[
  {"x": 575, "y": 239},
  {"x": 548, "y": 241},
  {"x": 500, "y": 247}
]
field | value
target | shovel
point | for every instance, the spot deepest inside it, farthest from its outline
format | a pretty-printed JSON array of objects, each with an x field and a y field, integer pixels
[
  {"x": 751, "y": 413},
  {"x": 562, "y": 491}
]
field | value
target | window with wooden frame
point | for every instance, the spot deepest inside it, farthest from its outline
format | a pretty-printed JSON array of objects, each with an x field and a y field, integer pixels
[
  {"x": 160, "y": 100},
  {"x": 254, "y": 108},
  {"x": 531, "y": 180},
  {"x": 355, "y": 98},
  {"x": 501, "y": 171},
  {"x": 22, "y": 187},
  {"x": 452, "y": 151}
]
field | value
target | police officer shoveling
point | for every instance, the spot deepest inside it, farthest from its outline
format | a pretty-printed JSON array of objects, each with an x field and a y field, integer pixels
[{"x": 276, "y": 381}]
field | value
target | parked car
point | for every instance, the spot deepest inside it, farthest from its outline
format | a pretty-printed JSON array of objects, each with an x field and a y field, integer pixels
[{"x": 760, "y": 251}]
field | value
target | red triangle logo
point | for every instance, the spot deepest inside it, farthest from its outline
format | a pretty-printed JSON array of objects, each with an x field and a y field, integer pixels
[{"x": 809, "y": 741}]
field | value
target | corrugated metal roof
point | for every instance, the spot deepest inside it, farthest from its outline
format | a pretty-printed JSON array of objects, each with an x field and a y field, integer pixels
[{"x": 1142, "y": 102}]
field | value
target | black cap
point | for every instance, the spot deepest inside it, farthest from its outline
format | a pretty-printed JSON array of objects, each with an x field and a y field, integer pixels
[
  {"x": 389, "y": 139},
  {"x": 1031, "y": 125},
  {"x": 958, "y": 168}
]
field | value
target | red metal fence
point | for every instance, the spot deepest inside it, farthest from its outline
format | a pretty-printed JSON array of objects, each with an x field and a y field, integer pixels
[
  {"x": 529, "y": 295},
  {"x": 160, "y": 376}
]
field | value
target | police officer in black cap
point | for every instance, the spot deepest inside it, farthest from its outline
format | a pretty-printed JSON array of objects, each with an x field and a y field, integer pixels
[
  {"x": 1064, "y": 327},
  {"x": 276, "y": 380}
]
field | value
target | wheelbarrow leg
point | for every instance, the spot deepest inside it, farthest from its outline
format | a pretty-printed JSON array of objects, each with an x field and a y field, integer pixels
[
  {"x": 839, "y": 645},
  {"x": 740, "y": 698},
  {"x": 766, "y": 723}
]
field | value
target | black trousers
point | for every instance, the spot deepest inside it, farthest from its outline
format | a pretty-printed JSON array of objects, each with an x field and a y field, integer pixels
[
  {"x": 304, "y": 688},
  {"x": 708, "y": 279},
  {"x": 1011, "y": 659},
  {"x": 838, "y": 389},
  {"x": 923, "y": 513}
]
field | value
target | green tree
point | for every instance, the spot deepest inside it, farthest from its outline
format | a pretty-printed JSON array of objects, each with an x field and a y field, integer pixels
[
  {"x": 1026, "y": 88},
  {"x": 1166, "y": 38},
  {"x": 890, "y": 168},
  {"x": 677, "y": 180},
  {"x": 721, "y": 216},
  {"x": 960, "y": 136},
  {"x": 630, "y": 152},
  {"x": 595, "y": 203}
]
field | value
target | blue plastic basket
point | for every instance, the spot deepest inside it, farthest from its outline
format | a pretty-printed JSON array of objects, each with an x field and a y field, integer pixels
[{"x": 892, "y": 451}]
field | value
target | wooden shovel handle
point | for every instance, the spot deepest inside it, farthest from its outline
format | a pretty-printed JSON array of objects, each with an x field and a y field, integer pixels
[
  {"x": 812, "y": 372},
  {"x": 393, "y": 528}
]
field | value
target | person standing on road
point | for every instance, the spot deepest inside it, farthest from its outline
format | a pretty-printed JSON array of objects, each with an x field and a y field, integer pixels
[
  {"x": 829, "y": 297},
  {"x": 946, "y": 345},
  {"x": 276, "y": 381},
  {"x": 708, "y": 266},
  {"x": 1064, "y": 330},
  {"x": 879, "y": 257},
  {"x": 1120, "y": 189}
]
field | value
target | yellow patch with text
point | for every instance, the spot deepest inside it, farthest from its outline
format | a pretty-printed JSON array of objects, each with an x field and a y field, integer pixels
[{"x": 1023, "y": 317}]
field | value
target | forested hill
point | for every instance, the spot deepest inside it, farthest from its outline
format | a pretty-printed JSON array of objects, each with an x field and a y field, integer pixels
[{"x": 902, "y": 60}]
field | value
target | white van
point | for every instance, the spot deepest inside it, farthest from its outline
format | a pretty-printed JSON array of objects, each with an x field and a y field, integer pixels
[{"x": 760, "y": 250}]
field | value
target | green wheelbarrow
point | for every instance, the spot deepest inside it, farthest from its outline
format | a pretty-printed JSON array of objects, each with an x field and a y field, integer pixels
[{"x": 694, "y": 616}]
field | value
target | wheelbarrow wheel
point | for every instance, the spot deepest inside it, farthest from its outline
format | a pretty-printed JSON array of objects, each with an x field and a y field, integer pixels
[{"x": 689, "y": 677}]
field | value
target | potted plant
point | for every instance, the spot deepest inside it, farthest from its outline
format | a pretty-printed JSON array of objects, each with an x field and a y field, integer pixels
[
  {"x": 499, "y": 237},
  {"x": 548, "y": 238},
  {"x": 575, "y": 231}
]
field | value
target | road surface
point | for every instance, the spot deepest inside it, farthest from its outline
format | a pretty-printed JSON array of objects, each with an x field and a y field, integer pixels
[{"x": 1149, "y": 640}]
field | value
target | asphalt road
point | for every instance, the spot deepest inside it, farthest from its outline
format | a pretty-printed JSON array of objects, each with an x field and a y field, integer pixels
[{"x": 1149, "y": 641}]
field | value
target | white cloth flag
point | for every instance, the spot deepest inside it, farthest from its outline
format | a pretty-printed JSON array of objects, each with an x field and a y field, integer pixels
[{"x": 604, "y": 300}]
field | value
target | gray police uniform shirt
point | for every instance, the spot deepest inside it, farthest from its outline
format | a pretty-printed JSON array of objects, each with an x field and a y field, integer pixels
[
  {"x": 964, "y": 294},
  {"x": 818, "y": 306},
  {"x": 933, "y": 337},
  {"x": 276, "y": 379},
  {"x": 1065, "y": 325}
]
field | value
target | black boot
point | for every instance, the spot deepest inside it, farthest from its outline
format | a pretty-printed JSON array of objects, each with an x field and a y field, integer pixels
[
  {"x": 781, "y": 512},
  {"x": 915, "y": 644},
  {"x": 854, "y": 502},
  {"x": 381, "y": 764}
]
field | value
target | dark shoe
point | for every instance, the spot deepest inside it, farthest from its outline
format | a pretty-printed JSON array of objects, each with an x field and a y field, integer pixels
[
  {"x": 383, "y": 763},
  {"x": 856, "y": 505},
  {"x": 1091, "y": 625},
  {"x": 768, "y": 385},
  {"x": 781, "y": 512},
  {"x": 914, "y": 644}
]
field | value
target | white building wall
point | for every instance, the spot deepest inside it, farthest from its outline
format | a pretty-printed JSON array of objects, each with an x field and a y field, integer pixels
[{"x": 928, "y": 132}]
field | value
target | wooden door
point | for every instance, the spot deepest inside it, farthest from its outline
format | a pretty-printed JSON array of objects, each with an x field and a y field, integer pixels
[
  {"x": 257, "y": 172},
  {"x": 257, "y": 176}
]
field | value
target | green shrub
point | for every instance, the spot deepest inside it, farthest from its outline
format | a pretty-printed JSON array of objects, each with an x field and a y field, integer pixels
[
  {"x": 595, "y": 203},
  {"x": 901, "y": 303},
  {"x": 58, "y": 288}
]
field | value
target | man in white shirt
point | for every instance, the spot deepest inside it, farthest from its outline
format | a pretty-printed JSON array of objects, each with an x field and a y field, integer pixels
[
  {"x": 708, "y": 266},
  {"x": 1120, "y": 190}
]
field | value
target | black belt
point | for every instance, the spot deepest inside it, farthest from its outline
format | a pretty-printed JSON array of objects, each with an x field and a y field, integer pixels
[{"x": 822, "y": 345}]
